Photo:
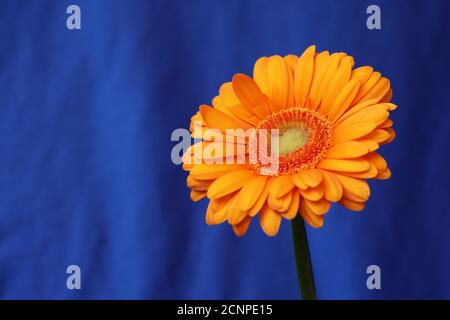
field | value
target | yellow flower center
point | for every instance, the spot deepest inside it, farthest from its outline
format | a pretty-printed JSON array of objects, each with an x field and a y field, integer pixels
[
  {"x": 304, "y": 136},
  {"x": 293, "y": 138}
]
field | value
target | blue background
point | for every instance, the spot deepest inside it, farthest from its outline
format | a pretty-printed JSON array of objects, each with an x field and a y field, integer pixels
[{"x": 85, "y": 170}]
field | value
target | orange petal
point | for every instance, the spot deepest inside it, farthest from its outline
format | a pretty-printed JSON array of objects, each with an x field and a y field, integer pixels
[
  {"x": 310, "y": 177},
  {"x": 228, "y": 183},
  {"x": 279, "y": 204},
  {"x": 346, "y": 165},
  {"x": 249, "y": 94},
  {"x": 332, "y": 187},
  {"x": 291, "y": 213},
  {"x": 387, "y": 124},
  {"x": 313, "y": 194},
  {"x": 291, "y": 61},
  {"x": 377, "y": 160},
  {"x": 298, "y": 181},
  {"x": 198, "y": 185},
  {"x": 281, "y": 186},
  {"x": 362, "y": 74},
  {"x": 346, "y": 150},
  {"x": 344, "y": 114},
  {"x": 278, "y": 80},
  {"x": 219, "y": 203},
  {"x": 391, "y": 133},
  {"x": 352, "y": 205},
  {"x": 354, "y": 189},
  {"x": 336, "y": 84},
  {"x": 287, "y": 199},
  {"x": 375, "y": 116},
  {"x": 314, "y": 220},
  {"x": 222, "y": 214},
  {"x": 260, "y": 74},
  {"x": 218, "y": 120},
  {"x": 384, "y": 175},
  {"x": 209, "y": 217},
  {"x": 319, "y": 71},
  {"x": 261, "y": 200},
  {"x": 387, "y": 97},
  {"x": 369, "y": 144},
  {"x": 235, "y": 215},
  {"x": 251, "y": 191},
  {"x": 213, "y": 171},
  {"x": 378, "y": 135},
  {"x": 197, "y": 195},
  {"x": 372, "y": 172},
  {"x": 245, "y": 115},
  {"x": 344, "y": 99},
  {"x": 303, "y": 74},
  {"x": 324, "y": 75},
  {"x": 353, "y": 132},
  {"x": 241, "y": 228},
  {"x": 270, "y": 221},
  {"x": 367, "y": 86},
  {"x": 380, "y": 89},
  {"x": 319, "y": 207}
]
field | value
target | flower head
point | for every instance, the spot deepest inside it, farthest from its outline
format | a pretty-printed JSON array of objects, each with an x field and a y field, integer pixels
[{"x": 330, "y": 121}]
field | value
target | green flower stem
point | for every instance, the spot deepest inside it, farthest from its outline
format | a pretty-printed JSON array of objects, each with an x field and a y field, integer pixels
[{"x": 303, "y": 259}]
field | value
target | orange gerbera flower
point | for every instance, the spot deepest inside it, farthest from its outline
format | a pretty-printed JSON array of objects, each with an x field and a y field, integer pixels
[{"x": 331, "y": 118}]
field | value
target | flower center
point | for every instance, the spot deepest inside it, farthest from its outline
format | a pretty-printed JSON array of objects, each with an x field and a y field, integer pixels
[
  {"x": 292, "y": 138},
  {"x": 303, "y": 137}
]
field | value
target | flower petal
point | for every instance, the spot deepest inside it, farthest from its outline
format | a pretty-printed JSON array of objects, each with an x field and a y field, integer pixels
[
  {"x": 311, "y": 177},
  {"x": 314, "y": 220},
  {"x": 375, "y": 116},
  {"x": 218, "y": 120},
  {"x": 353, "y": 132},
  {"x": 344, "y": 114},
  {"x": 228, "y": 183},
  {"x": 319, "y": 207},
  {"x": 322, "y": 79},
  {"x": 337, "y": 83},
  {"x": 251, "y": 191},
  {"x": 346, "y": 150},
  {"x": 378, "y": 135},
  {"x": 313, "y": 194},
  {"x": 261, "y": 200},
  {"x": 270, "y": 221},
  {"x": 303, "y": 74},
  {"x": 235, "y": 215},
  {"x": 377, "y": 160},
  {"x": 291, "y": 61},
  {"x": 344, "y": 99},
  {"x": 197, "y": 195},
  {"x": 260, "y": 74},
  {"x": 213, "y": 171},
  {"x": 291, "y": 213},
  {"x": 362, "y": 74},
  {"x": 298, "y": 181},
  {"x": 241, "y": 228},
  {"x": 332, "y": 187},
  {"x": 380, "y": 89},
  {"x": 384, "y": 175},
  {"x": 354, "y": 189},
  {"x": 372, "y": 172},
  {"x": 367, "y": 86},
  {"x": 278, "y": 80},
  {"x": 281, "y": 186},
  {"x": 352, "y": 205},
  {"x": 249, "y": 94},
  {"x": 346, "y": 165},
  {"x": 198, "y": 185}
]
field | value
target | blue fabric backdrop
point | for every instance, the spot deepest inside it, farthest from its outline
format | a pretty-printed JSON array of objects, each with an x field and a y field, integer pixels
[{"x": 85, "y": 170}]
